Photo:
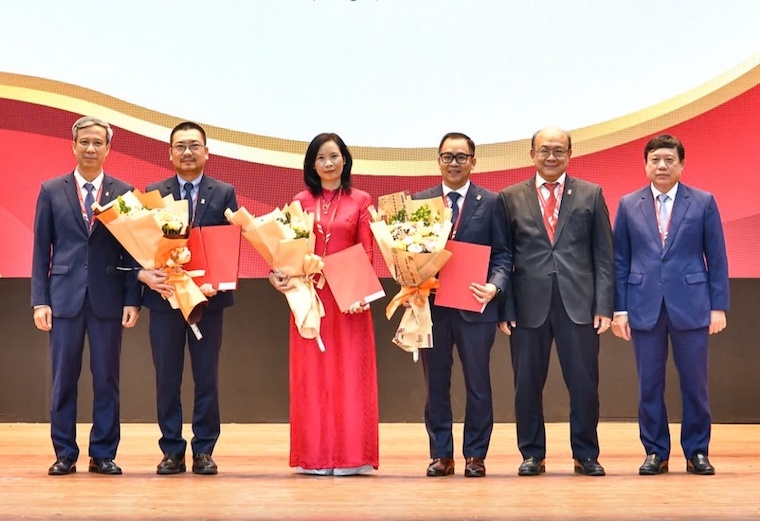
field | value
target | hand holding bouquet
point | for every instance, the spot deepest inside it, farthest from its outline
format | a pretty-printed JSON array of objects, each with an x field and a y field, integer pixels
[
  {"x": 285, "y": 239},
  {"x": 412, "y": 236},
  {"x": 154, "y": 230}
]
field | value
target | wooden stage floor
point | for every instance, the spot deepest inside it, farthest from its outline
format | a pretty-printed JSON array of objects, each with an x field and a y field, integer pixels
[{"x": 256, "y": 483}]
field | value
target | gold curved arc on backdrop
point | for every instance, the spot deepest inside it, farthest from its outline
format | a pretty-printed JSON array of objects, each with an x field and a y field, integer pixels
[{"x": 377, "y": 160}]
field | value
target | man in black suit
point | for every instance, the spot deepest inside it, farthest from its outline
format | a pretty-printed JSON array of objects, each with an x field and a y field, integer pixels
[
  {"x": 83, "y": 283},
  {"x": 169, "y": 333},
  {"x": 477, "y": 218},
  {"x": 562, "y": 290}
]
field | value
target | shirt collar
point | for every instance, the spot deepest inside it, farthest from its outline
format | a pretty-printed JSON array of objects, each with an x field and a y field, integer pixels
[
  {"x": 540, "y": 180},
  {"x": 671, "y": 193},
  {"x": 461, "y": 191},
  {"x": 195, "y": 182},
  {"x": 81, "y": 181}
]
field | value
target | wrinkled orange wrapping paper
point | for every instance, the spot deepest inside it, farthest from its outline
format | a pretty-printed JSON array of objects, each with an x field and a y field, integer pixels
[
  {"x": 278, "y": 246},
  {"x": 415, "y": 273},
  {"x": 143, "y": 238}
]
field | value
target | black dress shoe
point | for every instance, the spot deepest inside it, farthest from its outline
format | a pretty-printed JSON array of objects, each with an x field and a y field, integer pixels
[
  {"x": 440, "y": 467},
  {"x": 171, "y": 464},
  {"x": 475, "y": 468},
  {"x": 588, "y": 467},
  {"x": 532, "y": 467},
  {"x": 62, "y": 467},
  {"x": 104, "y": 466},
  {"x": 204, "y": 464},
  {"x": 699, "y": 464},
  {"x": 653, "y": 465}
]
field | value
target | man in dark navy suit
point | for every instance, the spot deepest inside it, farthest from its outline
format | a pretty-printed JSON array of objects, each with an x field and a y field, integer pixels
[
  {"x": 562, "y": 291},
  {"x": 671, "y": 273},
  {"x": 83, "y": 284},
  {"x": 169, "y": 333},
  {"x": 476, "y": 219}
]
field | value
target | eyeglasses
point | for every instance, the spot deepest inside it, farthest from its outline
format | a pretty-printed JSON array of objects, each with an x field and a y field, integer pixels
[
  {"x": 460, "y": 158},
  {"x": 181, "y": 147},
  {"x": 558, "y": 153}
]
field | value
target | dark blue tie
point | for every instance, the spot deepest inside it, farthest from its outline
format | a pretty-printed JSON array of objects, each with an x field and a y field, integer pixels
[
  {"x": 89, "y": 200},
  {"x": 454, "y": 197},
  {"x": 189, "y": 198}
]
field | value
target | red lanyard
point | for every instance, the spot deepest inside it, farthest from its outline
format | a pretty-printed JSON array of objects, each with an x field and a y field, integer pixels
[
  {"x": 328, "y": 233},
  {"x": 663, "y": 233},
  {"x": 455, "y": 227},
  {"x": 85, "y": 218}
]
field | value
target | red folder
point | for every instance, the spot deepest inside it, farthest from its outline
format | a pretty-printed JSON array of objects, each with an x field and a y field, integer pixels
[
  {"x": 468, "y": 264},
  {"x": 352, "y": 277},
  {"x": 215, "y": 249}
]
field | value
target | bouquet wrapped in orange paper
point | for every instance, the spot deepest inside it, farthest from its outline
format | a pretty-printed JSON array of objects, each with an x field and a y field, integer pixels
[
  {"x": 154, "y": 230},
  {"x": 285, "y": 239},
  {"x": 412, "y": 236}
]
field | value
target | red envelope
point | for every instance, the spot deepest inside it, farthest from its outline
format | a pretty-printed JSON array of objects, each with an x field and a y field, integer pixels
[{"x": 468, "y": 264}]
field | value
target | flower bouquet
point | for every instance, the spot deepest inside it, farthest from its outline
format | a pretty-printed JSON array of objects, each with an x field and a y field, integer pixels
[
  {"x": 154, "y": 230},
  {"x": 285, "y": 239},
  {"x": 412, "y": 236}
]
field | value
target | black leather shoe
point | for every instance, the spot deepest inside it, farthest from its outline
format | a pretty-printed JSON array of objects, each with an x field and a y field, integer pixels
[
  {"x": 588, "y": 467},
  {"x": 204, "y": 464},
  {"x": 532, "y": 467},
  {"x": 440, "y": 467},
  {"x": 62, "y": 467},
  {"x": 653, "y": 465},
  {"x": 171, "y": 464},
  {"x": 699, "y": 464},
  {"x": 475, "y": 468},
  {"x": 104, "y": 466}
]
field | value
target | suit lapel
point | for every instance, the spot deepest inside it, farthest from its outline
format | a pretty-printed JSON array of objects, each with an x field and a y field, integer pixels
[
  {"x": 205, "y": 192},
  {"x": 565, "y": 208},
  {"x": 71, "y": 188},
  {"x": 471, "y": 203},
  {"x": 680, "y": 206},
  {"x": 531, "y": 200},
  {"x": 106, "y": 196}
]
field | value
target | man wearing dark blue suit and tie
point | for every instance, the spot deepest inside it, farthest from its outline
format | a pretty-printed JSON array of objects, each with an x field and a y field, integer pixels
[
  {"x": 208, "y": 198},
  {"x": 83, "y": 284},
  {"x": 671, "y": 273},
  {"x": 477, "y": 219}
]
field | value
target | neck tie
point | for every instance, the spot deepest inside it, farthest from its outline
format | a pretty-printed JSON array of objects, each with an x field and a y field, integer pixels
[
  {"x": 551, "y": 211},
  {"x": 89, "y": 200},
  {"x": 662, "y": 216},
  {"x": 454, "y": 198},
  {"x": 188, "y": 188}
]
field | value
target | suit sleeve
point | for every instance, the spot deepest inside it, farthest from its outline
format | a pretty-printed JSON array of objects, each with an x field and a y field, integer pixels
[
  {"x": 603, "y": 258},
  {"x": 507, "y": 310},
  {"x": 501, "y": 254},
  {"x": 622, "y": 245},
  {"x": 41, "y": 253},
  {"x": 230, "y": 200},
  {"x": 716, "y": 257}
]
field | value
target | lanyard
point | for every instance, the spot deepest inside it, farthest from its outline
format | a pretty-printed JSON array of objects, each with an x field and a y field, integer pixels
[
  {"x": 86, "y": 219},
  {"x": 455, "y": 227},
  {"x": 663, "y": 233},
  {"x": 542, "y": 200},
  {"x": 328, "y": 233}
]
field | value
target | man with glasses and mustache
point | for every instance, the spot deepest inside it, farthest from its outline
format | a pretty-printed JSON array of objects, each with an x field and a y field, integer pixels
[
  {"x": 477, "y": 218},
  {"x": 208, "y": 198},
  {"x": 562, "y": 292}
]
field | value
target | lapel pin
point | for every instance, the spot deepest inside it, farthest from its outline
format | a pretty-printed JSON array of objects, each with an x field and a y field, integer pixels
[
  {"x": 203, "y": 201},
  {"x": 569, "y": 191},
  {"x": 477, "y": 197},
  {"x": 108, "y": 193}
]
